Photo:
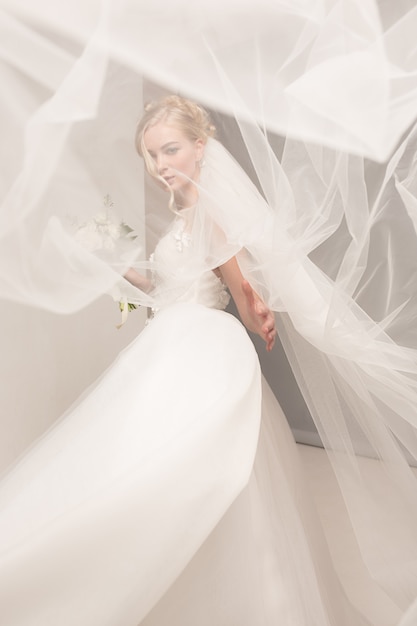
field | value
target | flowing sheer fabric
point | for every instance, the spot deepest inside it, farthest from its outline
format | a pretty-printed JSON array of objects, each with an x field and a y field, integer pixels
[{"x": 317, "y": 100}]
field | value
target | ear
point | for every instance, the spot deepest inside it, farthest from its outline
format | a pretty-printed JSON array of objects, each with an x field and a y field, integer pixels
[{"x": 199, "y": 149}]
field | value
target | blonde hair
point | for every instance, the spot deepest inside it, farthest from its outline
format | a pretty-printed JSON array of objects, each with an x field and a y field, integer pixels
[{"x": 184, "y": 114}]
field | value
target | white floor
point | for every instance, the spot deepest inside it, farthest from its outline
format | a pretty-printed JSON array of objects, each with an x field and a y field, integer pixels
[{"x": 369, "y": 598}]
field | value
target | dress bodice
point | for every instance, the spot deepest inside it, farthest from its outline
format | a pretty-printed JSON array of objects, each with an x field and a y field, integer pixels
[{"x": 177, "y": 276}]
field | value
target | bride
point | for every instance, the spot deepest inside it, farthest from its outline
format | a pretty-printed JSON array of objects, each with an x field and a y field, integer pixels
[{"x": 162, "y": 497}]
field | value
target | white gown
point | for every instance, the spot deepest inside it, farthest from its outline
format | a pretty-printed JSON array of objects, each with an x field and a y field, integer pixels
[{"x": 162, "y": 498}]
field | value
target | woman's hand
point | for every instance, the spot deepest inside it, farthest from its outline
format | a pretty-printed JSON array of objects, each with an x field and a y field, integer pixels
[
  {"x": 260, "y": 318},
  {"x": 254, "y": 313}
]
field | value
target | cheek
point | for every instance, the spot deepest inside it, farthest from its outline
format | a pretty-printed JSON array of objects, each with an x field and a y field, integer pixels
[{"x": 187, "y": 165}]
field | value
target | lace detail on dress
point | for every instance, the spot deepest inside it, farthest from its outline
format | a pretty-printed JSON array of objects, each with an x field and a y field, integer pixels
[{"x": 181, "y": 237}]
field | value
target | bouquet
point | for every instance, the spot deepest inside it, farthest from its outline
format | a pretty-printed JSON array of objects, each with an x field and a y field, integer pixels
[{"x": 103, "y": 234}]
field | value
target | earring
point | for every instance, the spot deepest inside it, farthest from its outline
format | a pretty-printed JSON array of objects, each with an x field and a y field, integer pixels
[{"x": 201, "y": 163}]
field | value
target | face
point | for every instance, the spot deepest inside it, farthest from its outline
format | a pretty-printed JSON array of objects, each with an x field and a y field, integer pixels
[{"x": 176, "y": 158}]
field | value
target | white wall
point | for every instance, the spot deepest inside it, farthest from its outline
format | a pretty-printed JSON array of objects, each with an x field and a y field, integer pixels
[{"x": 47, "y": 360}]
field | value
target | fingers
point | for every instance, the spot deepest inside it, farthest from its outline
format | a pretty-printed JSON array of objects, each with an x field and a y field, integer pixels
[
  {"x": 269, "y": 333},
  {"x": 269, "y": 322},
  {"x": 271, "y": 340}
]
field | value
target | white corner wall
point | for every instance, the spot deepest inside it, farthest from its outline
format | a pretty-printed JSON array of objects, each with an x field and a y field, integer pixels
[{"x": 48, "y": 360}]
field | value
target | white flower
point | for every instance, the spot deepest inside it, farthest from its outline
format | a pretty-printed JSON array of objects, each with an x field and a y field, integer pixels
[
  {"x": 102, "y": 232},
  {"x": 89, "y": 237},
  {"x": 98, "y": 234}
]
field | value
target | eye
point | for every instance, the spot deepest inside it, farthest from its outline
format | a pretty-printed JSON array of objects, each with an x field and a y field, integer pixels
[{"x": 172, "y": 150}]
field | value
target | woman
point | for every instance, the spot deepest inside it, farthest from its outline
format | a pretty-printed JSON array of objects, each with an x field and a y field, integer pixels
[
  {"x": 267, "y": 556},
  {"x": 162, "y": 498},
  {"x": 137, "y": 508}
]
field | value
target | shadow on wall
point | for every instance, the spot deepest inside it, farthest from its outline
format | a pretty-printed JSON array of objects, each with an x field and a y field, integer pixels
[{"x": 278, "y": 373}]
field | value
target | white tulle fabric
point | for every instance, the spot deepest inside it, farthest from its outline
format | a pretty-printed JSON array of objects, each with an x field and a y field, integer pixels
[{"x": 316, "y": 101}]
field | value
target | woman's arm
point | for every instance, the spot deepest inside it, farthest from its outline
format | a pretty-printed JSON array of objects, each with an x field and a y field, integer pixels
[
  {"x": 254, "y": 313},
  {"x": 139, "y": 281}
]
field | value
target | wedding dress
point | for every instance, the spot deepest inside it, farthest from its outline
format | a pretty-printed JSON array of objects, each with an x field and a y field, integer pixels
[{"x": 160, "y": 498}]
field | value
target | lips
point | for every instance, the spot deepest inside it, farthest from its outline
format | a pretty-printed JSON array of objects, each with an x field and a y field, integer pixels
[{"x": 169, "y": 179}]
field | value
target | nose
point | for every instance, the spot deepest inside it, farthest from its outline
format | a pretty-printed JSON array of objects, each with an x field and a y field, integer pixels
[{"x": 160, "y": 163}]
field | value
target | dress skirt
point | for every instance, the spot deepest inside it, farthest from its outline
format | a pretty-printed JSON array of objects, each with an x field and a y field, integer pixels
[{"x": 171, "y": 493}]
